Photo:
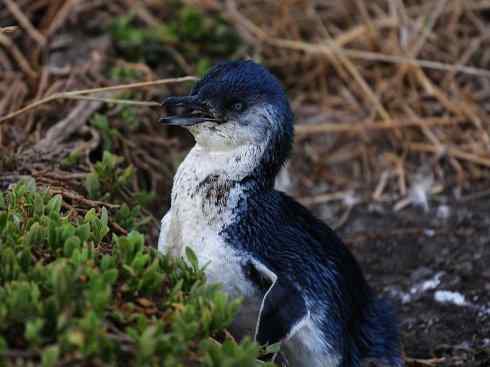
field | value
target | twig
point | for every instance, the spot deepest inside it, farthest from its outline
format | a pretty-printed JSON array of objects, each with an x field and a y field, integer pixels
[
  {"x": 475, "y": 196},
  {"x": 425, "y": 362},
  {"x": 380, "y": 187},
  {"x": 361, "y": 29},
  {"x": 25, "y": 22},
  {"x": 61, "y": 16},
  {"x": 324, "y": 198},
  {"x": 359, "y": 128},
  {"x": 374, "y": 56},
  {"x": 72, "y": 94},
  {"x": 113, "y": 88},
  {"x": 8, "y": 29},
  {"x": 427, "y": 28},
  {"x": 118, "y": 228},
  {"x": 81, "y": 199},
  {"x": 452, "y": 151},
  {"x": 116, "y": 101},
  {"x": 343, "y": 219},
  {"x": 18, "y": 56},
  {"x": 69, "y": 125},
  {"x": 58, "y": 176}
]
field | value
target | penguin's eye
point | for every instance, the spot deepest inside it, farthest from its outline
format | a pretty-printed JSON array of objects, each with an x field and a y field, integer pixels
[{"x": 238, "y": 106}]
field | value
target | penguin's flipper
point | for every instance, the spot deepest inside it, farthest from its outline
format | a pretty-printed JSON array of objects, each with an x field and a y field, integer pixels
[{"x": 283, "y": 310}]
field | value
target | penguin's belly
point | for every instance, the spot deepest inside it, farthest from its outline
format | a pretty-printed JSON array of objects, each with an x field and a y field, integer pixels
[
  {"x": 223, "y": 265},
  {"x": 202, "y": 205}
]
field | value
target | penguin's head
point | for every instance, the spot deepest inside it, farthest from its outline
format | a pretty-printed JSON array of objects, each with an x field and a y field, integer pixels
[{"x": 237, "y": 105}]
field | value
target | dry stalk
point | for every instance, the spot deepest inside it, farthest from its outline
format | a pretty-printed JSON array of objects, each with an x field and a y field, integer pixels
[
  {"x": 25, "y": 22},
  {"x": 17, "y": 55},
  {"x": 77, "y": 93},
  {"x": 360, "y": 128}
]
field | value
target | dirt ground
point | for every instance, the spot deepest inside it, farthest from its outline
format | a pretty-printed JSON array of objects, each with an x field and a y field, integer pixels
[{"x": 426, "y": 262}]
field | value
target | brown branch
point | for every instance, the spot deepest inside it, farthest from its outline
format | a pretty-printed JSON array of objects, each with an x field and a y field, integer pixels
[
  {"x": 18, "y": 56},
  {"x": 25, "y": 22},
  {"x": 360, "y": 128},
  {"x": 80, "y": 199},
  {"x": 451, "y": 151},
  {"x": 73, "y": 94},
  {"x": 8, "y": 29},
  {"x": 116, "y": 101},
  {"x": 61, "y": 16}
]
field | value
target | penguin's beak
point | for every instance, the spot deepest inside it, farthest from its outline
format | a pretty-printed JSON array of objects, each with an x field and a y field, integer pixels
[{"x": 186, "y": 111}]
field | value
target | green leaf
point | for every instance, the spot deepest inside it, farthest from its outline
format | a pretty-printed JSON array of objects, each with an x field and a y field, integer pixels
[
  {"x": 50, "y": 356},
  {"x": 90, "y": 216},
  {"x": 83, "y": 232},
  {"x": 106, "y": 263},
  {"x": 70, "y": 245},
  {"x": 110, "y": 276},
  {"x": 147, "y": 342},
  {"x": 273, "y": 348},
  {"x": 93, "y": 186},
  {"x": 76, "y": 337},
  {"x": 33, "y": 331},
  {"x": 104, "y": 217},
  {"x": 73, "y": 159},
  {"x": 3, "y": 220},
  {"x": 192, "y": 258},
  {"x": 38, "y": 206},
  {"x": 35, "y": 235},
  {"x": 54, "y": 204},
  {"x": 3, "y": 203},
  {"x": 3, "y": 345}
]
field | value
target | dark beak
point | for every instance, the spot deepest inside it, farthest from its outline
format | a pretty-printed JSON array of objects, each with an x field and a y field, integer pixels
[{"x": 186, "y": 111}]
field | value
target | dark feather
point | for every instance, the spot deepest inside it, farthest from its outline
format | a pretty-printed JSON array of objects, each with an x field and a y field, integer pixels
[{"x": 304, "y": 252}]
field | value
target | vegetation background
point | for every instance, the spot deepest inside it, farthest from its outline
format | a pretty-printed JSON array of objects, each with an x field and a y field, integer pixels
[{"x": 392, "y": 104}]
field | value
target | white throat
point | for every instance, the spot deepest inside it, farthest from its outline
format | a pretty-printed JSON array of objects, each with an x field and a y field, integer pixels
[
  {"x": 206, "y": 192},
  {"x": 231, "y": 164}
]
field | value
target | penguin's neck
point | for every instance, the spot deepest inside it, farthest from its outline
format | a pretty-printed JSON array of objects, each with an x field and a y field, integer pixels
[
  {"x": 202, "y": 166},
  {"x": 210, "y": 185}
]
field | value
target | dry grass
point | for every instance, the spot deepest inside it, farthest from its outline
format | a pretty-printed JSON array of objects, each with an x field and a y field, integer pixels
[
  {"x": 399, "y": 85},
  {"x": 381, "y": 89}
]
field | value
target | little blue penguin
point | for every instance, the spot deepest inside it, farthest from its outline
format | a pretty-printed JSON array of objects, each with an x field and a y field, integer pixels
[{"x": 300, "y": 285}]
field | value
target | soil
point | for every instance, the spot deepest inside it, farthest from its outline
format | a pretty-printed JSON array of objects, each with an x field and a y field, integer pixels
[{"x": 417, "y": 258}]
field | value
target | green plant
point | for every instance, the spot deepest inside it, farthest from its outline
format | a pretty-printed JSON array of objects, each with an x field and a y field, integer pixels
[
  {"x": 191, "y": 32},
  {"x": 107, "y": 132},
  {"x": 107, "y": 177},
  {"x": 112, "y": 132},
  {"x": 123, "y": 74},
  {"x": 72, "y": 160},
  {"x": 73, "y": 293}
]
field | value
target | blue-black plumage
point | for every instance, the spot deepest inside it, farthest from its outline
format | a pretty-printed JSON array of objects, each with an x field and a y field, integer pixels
[{"x": 301, "y": 286}]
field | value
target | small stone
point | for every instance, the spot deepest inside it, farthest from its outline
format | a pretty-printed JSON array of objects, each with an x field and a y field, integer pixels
[{"x": 443, "y": 212}]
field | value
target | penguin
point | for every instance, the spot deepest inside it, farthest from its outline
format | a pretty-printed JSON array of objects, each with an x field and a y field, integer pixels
[{"x": 300, "y": 286}]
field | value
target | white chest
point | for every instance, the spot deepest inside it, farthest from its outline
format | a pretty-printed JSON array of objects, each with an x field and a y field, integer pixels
[{"x": 203, "y": 199}]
